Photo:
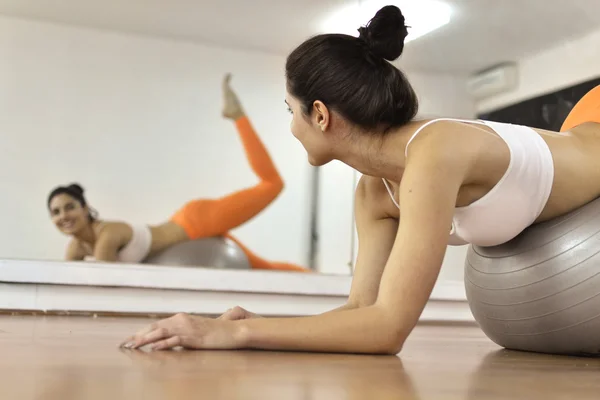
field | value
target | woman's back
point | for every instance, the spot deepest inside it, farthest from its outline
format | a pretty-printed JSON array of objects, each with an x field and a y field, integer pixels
[
  {"x": 576, "y": 155},
  {"x": 516, "y": 176}
]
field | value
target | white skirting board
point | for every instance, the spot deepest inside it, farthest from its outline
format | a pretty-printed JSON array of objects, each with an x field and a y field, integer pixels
[{"x": 48, "y": 286}]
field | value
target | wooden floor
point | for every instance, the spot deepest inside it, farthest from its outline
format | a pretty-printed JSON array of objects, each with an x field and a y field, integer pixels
[{"x": 77, "y": 358}]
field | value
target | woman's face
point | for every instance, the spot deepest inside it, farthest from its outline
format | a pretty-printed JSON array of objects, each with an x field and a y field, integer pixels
[
  {"x": 308, "y": 131},
  {"x": 68, "y": 215}
]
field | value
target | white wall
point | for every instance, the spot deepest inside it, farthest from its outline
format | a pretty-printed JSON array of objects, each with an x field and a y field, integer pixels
[
  {"x": 335, "y": 218},
  {"x": 137, "y": 122},
  {"x": 439, "y": 96},
  {"x": 565, "y": 65},
  {"x": 442, "y": 95}
]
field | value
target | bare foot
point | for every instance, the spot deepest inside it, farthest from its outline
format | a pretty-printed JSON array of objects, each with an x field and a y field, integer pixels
[{"x": 232, "y": 108}]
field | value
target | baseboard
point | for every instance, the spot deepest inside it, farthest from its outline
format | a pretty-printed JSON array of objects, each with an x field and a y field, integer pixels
[
  {"x": 56, "y": 287},
  {"x": 63, "y": 299},
  {"x": 173, "y": 278},
  {"x": 185, "y": 278}
]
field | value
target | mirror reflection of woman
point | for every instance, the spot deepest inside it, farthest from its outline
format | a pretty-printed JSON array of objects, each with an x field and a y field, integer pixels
[{"x": 120, "y": 241}]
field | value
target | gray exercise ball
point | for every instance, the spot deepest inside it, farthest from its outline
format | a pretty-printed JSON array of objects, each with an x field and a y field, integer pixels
[
  {"x": 213, "y": 252},
  {"x": 540, "y": 292}
]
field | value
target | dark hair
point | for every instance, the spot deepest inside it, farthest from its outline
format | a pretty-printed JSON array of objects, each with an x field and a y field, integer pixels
[
  {"x": 351, "y": 75},
  {"x": 76, "y": 191}
]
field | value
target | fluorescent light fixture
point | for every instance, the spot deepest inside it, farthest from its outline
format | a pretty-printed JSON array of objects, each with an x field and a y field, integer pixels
[{"x": 422, "y": 16}]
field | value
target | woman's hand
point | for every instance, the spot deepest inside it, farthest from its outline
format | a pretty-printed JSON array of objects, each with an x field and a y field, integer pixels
[
  {"x": 191, "y": 332},
  {"x": 237, "y": 313}
]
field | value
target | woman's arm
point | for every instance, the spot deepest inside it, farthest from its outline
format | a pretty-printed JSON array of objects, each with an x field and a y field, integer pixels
[
  {"x": 74, "y": 251},
  {"x": 376, "y": 231},
  {"x": 427, "y": 199},
  {"x": 106, "y": 248},
  {"x": 428, "y": 195},
  {"x": 110, "y": 239}
]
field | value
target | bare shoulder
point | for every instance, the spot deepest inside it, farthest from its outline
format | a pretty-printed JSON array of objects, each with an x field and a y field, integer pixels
[
  {"x": 115, "y": 231},
  {"x": 455, "y": 145},
  {"x": 450, "y": 135},
  {"x": 370, "y": 186},
  {"x": 372, "y": 197}
]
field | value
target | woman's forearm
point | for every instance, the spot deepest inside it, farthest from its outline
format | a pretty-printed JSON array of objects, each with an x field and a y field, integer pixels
[
  {"x": 357, "y": 330},
  {"x": 345, "y": 306}
]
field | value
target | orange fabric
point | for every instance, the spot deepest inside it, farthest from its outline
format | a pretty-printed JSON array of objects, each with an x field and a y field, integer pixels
[
  {"x": 216, "y": 217},
  {"x": 586, "y": 110},
  {"x": 260, "y": 263}
]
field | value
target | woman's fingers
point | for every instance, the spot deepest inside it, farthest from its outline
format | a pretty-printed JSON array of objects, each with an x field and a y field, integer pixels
[
  {"x": 129, "y": 341},
  {"x": 189, "y": 331},
  {"x": 151, "y": 337},
  {"x": 169, "y": 343},
  {"x": 226, "y": 314}
]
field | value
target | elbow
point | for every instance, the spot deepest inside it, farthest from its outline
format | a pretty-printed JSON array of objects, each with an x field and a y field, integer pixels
[
  {"x": 393, "y": 335},
  {"x": 393, "y": 348},
  {"x": 393, "y": 344}
]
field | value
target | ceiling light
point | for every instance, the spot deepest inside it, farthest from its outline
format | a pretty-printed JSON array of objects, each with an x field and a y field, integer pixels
[{"x": 422, "y": 16}]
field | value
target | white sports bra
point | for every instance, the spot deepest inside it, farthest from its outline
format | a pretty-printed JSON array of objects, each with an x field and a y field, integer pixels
[
  {"x": 138, "y": 247},
  {"x": 518, "y": 198}
]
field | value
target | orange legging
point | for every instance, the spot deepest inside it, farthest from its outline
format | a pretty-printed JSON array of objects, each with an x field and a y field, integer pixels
[
  {"x": 216, "y": 217},
  {"x": 586, "y": 110}
]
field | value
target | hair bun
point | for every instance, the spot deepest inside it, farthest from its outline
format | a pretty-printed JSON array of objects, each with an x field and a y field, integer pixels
[
  {"x": 385, "y": 33},
  {"x": 76, "y": 188}
]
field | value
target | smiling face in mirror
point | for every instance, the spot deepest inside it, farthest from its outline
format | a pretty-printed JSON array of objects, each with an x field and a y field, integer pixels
[{"x": 68, "y": 214}]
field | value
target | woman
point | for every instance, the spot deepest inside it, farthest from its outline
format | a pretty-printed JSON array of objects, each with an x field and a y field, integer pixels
[
  {"x": 124, "y": 242},
  {"x": 453, "y": 182}
]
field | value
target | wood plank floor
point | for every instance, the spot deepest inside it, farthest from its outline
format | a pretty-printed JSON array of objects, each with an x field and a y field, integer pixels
[{"x": 51, "y": 358}]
